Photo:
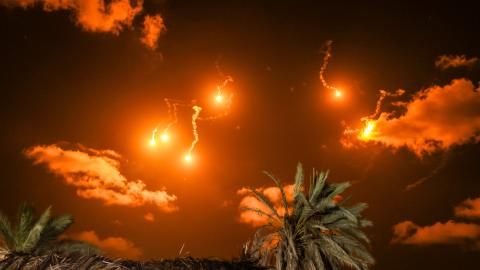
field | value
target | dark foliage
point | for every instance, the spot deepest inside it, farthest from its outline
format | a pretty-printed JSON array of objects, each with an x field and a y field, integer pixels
[{"x": 93, "y": 262}]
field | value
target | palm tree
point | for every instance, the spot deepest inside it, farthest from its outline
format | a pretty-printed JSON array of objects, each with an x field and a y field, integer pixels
[
  {"x": 41, "y": 236},
  {"x": 313, "y": 231}
]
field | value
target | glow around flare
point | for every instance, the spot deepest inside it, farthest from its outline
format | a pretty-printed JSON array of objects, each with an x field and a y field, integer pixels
[
  {"x": 338, "y": 93},
  {"x": 165, "y": 137},
  {"x": 219, "y": 97},
  {"x": 154, "y": 139},
  {"x": 222, "y": 99}
]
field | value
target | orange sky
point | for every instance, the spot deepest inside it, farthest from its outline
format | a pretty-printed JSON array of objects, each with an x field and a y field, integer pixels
[{"x": 79, "y": 105}]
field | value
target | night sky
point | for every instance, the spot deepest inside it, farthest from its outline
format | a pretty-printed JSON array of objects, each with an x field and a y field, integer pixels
[{"x": 64, "y": 85}]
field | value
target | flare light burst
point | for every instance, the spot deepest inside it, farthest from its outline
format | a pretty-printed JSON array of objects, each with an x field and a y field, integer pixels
[
  {"x": 222, "y": 98},
  {"x": 370, "y": 128},
  {"x": 368, "y": 131}
]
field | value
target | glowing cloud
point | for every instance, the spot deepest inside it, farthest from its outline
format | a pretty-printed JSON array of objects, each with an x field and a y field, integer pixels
[
  {"x": 469, "y": 208},
  {"x": 95, "y": 175},
  {"x": 455, "y": 61},
  {"x": 91, "y": 15},
  {"x": 434, "y": 119},
  {"x": 450, "y": 232},
  {"x": 102, "y": 16},
  {"x": 117, "y": 247},
  {"x": 153, "y": 26},
  {"x": 150, "y": 217}
]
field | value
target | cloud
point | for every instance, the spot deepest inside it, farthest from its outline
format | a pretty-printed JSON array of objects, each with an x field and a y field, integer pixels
[
  {"x": 101, "y": 15},
  {"x": 150, "y": 217},
  {"x": 450, "y": 232},
  {"x": 435, "y": 119},
  {"x": 91, "y": 15},
  {"x": 95, "y": 175},
  {"x": 153, "y": 26},
  {"x": 250, "y": 201},
  {"x": 455, "y": 61},
  {"x": 469, "y": 208},
  {"x": 117, "y": 247}
]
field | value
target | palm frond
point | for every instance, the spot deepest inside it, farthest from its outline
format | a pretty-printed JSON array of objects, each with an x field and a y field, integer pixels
[
  {"x": 71, "y": 247},
  {"x": 282, "y": 191},
  {"x": 259, "y": 212},
  {"x": 352, "y": 246},
  {"x": 55, "y": 227},
  {"x": 357, "y": 209},
  {"x": 265, "y": 201},
  {"x": 6, "y": 232},
  {"x": 317, "y": 185},
  {"x": 365, "y": 223},
  {"x": 33, "y": 237},
  {"x": 25, "y": 222},
  {"x": 299, "y": 179},
  {"x": 335, "y": 253},
  {"x": 320, "y": 233}
]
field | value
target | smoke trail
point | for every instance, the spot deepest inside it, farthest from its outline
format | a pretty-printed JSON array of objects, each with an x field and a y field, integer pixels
[
  {"x": 220, "y": 98},
  {"x": 323, "y": 68},
  {"x": 154, "y": 139},
  {"x": 197, "y": 110},
  {"x": 172, "y": 114},
  {"x": 172, "y": 107},
  {"x": 223, "y": 99},
  {"x": 378, "y": 107},
  {"x": 445, "y": 158},
  {"x": 354, "y": 137}
]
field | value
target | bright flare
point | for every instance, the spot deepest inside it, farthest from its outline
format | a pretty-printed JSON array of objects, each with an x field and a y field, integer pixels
[
  {"x": 219, "y": 98},
  {"x": 338, "y": 93},
  {"x": 188, "y": 158},
  {"x": 367, "y": 132},
  {"x": 165, "y": 137},
  {"x": 153, "y": 142}
]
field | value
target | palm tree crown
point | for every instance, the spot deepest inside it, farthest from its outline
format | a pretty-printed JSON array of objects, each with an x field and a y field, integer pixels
[
  {"x": 30, "y": 236},
  {"x": 314, "y": 230}
]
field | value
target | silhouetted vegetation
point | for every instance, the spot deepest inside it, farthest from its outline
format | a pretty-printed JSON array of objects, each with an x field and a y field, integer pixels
[
  {"x": 315, "y": 231},
  {"x": 93, "y": 262},
  {"x": 30, "y": 236},
  {"x": 311, "y": 230}
]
